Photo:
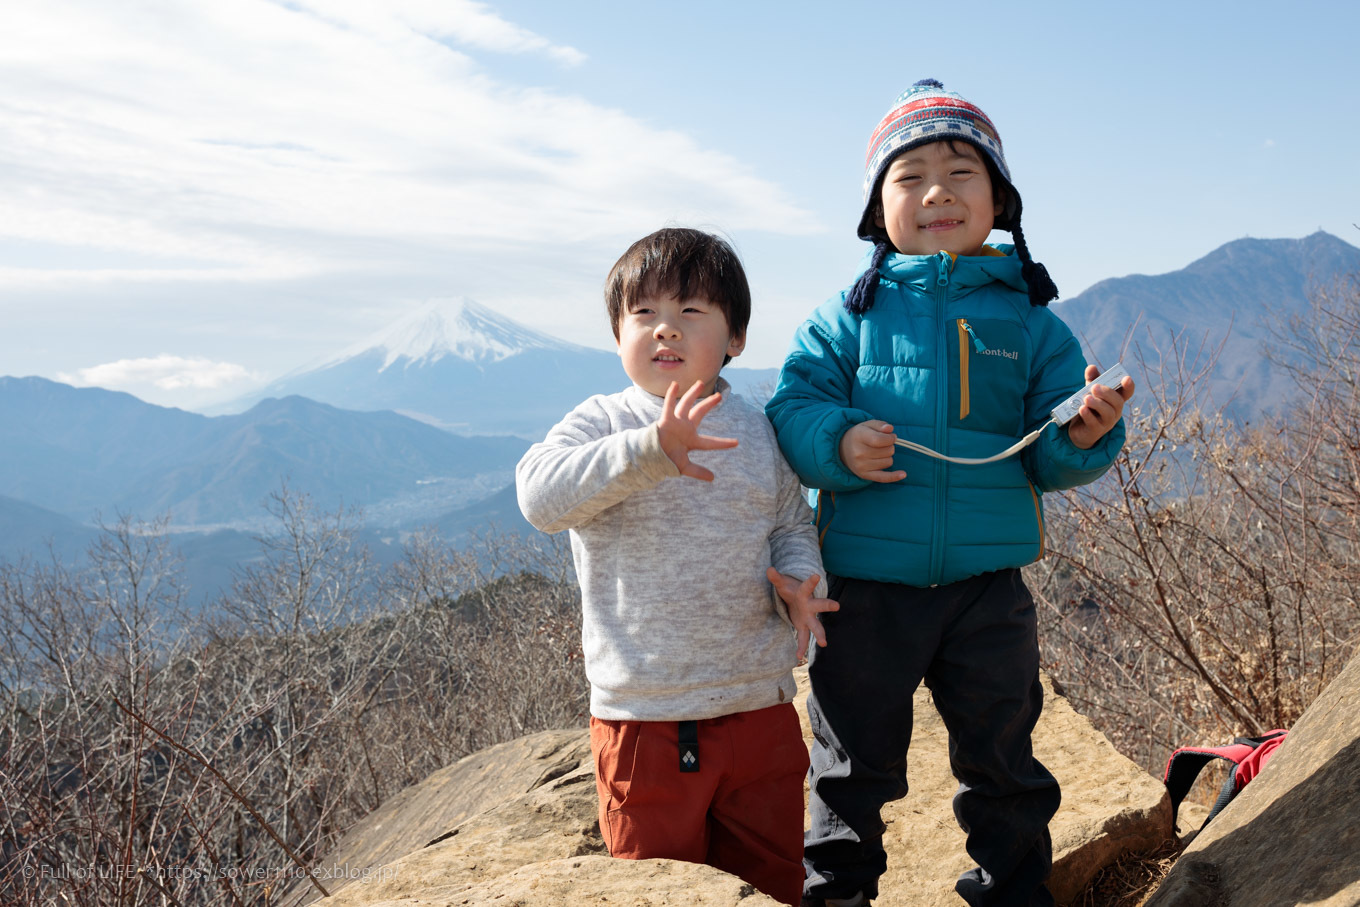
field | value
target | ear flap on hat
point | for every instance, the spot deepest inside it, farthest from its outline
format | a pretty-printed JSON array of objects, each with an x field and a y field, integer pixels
[{"x": 1010, "y": 208}]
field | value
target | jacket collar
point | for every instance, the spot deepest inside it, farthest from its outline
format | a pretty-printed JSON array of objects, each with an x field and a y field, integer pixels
[{"x": 922, "y": 272}]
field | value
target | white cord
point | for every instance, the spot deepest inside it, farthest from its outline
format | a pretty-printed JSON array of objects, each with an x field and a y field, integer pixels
[
  {"x": 1015, "y": 448},
  {"x": 1064, "y": 413}
]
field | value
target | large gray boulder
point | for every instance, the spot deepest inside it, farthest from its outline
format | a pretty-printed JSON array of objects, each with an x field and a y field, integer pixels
[
  {"x": 1292, "y": 836},
  {"x": 425, "y": 812},
  {"x": 592, "y": 881},
  {"x": 553, "y": 822}
]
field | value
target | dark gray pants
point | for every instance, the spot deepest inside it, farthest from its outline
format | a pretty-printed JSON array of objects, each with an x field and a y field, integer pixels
[{"x": 975, "y": 645}]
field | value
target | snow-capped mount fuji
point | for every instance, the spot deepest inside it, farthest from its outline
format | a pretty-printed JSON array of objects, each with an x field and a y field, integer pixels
[
  {"x": 456, "y": 327},
  {"x": 467, "y": 368}
]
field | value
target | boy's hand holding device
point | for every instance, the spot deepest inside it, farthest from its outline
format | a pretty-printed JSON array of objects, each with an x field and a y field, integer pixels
[
  {"x": 678, "y": 429},
  {"x": 867, "y": 451},
  {"x": 1099, "y": 412},
  {"x": 803, "y": 608}
]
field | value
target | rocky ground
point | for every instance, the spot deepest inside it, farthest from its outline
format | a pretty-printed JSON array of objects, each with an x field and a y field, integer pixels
[
  {"x": 518, "y": 821},
  {"x": 516, "y": 825}
]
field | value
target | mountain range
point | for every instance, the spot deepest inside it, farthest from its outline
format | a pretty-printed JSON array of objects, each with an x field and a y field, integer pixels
[
  {"x": 463, "y": 367},
  {"x": 1237, "y": 297},
  {"x": 83, "y": 451},
  {"x": 422, "y": 423}
]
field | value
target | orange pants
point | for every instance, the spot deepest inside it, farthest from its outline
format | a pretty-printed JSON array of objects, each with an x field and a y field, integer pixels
[{"x": 742, "y": 812}]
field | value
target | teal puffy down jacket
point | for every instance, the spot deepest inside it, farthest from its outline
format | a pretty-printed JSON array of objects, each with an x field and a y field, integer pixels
[{"x": 955, "y": 358}]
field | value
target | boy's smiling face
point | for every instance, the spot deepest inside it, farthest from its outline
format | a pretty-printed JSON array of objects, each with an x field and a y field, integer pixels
[
  {"x": 938, "y": 198},
  {"x": 664, "y": 339}
]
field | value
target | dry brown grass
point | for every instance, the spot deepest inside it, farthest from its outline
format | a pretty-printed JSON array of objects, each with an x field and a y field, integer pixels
[{"x": 1130, "y": 881}]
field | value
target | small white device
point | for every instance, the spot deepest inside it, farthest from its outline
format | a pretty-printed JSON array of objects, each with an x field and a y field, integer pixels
[{"x": 1067, "y": 410}]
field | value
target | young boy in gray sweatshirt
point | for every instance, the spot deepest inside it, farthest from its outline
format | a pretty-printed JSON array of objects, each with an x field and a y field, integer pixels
[{"x": 700, "y": 576}]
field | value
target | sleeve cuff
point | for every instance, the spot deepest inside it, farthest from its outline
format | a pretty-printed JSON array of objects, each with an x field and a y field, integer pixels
[
  {"x": 803, "y": 570},
  {"x": 837, "y": 476},
  {"x": 1069, "y": 465},
  {"x": 649, "y": 456}
]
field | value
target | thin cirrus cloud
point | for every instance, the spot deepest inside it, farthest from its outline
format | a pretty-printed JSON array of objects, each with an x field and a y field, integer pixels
[
  {"x": 250, "y": 140},
  {"x": 475, "y": 24},
  {"x": 166, "y": 372}
]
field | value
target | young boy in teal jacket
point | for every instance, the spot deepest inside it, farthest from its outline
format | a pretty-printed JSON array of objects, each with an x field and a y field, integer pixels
[{"x": 946, "y": 342}]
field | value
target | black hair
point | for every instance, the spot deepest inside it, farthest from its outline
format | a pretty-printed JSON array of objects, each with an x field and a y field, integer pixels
[{"x": 684, "y": 263}]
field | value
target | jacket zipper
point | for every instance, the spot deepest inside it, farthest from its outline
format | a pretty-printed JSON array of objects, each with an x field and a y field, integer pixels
[
  {"x": 937, "y": 544},
  {"x": 963, "y": 370},
  {"x": 817, "y": 516},
  {"x": 965, "y": 332},
  {"x": 1039, "y": 516},
  {"x": 981, "y": 347}
]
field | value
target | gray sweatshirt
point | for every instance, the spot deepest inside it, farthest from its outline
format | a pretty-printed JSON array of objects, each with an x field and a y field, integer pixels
[{"x": 679, "y": 619}]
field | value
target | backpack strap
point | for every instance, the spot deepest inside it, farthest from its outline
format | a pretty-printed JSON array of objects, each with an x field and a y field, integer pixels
[
  {"x": 1186, "y": 763},
  {"x": 1263, "y": 748}
]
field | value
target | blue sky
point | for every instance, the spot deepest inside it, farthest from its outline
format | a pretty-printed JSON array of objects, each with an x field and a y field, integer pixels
[{"x": 200, "y": 195}]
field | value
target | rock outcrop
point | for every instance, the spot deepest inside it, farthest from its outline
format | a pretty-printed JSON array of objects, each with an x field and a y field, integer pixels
[
  {"x": 425, "y": 813},
  {"x": 554, "y": 822},
  {"x": 590, "y": 882},
  {"x": 540, "y": 845},
  {"x": 1292, "y": 836}
]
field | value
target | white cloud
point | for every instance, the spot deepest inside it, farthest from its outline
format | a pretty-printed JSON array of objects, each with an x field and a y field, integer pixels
[
  {"x": 475, "y": 24},
  {"x": 258, "y": 140},
  {"x": 165, "y": 372}
]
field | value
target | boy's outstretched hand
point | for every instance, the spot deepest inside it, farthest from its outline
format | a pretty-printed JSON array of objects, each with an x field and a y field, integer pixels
[
  {"x": 803, "y": 608},
  {"x": 867, "y": 450},
  {"x": 678, "y": 429},
  {"x": 1100, "y": 411}
]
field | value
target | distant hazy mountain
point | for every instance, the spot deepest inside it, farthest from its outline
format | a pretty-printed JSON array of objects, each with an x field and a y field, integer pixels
[
  {"x": 31, "y": 531},
  {"x": 499, "y": 511},
  {"x": 208, "y": 562},
  {"x": 463, "y": 367},
  {"x": 76, "y": 451},
  {"x": 1234, "y": 292},
  {"x": 28, "y": 532}
]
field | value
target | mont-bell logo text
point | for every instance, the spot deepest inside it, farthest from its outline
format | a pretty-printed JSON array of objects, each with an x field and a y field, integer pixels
[{"x": 1004, "y": 354}]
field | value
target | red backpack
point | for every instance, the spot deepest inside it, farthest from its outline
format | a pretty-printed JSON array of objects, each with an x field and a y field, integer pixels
[{"x": 1247, "y": 754}]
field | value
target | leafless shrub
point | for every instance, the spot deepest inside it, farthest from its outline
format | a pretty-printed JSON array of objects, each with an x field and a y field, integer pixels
[
  {"x": 1206, "y": 587},
  {"x": 137, "y": 767}
]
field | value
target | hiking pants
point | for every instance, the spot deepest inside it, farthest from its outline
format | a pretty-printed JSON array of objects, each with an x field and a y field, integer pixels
[
  {"x": 742, "y": 811},
  {"x": 975, "y": 645}
]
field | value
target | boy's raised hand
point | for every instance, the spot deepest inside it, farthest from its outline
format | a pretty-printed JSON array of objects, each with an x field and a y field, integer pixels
[
  {"x": 867, "y": 451},
  {"x": 803, "y": 608},
  {"x": 1100, "y": 411},
  {"x": 678, "y": 429}
]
